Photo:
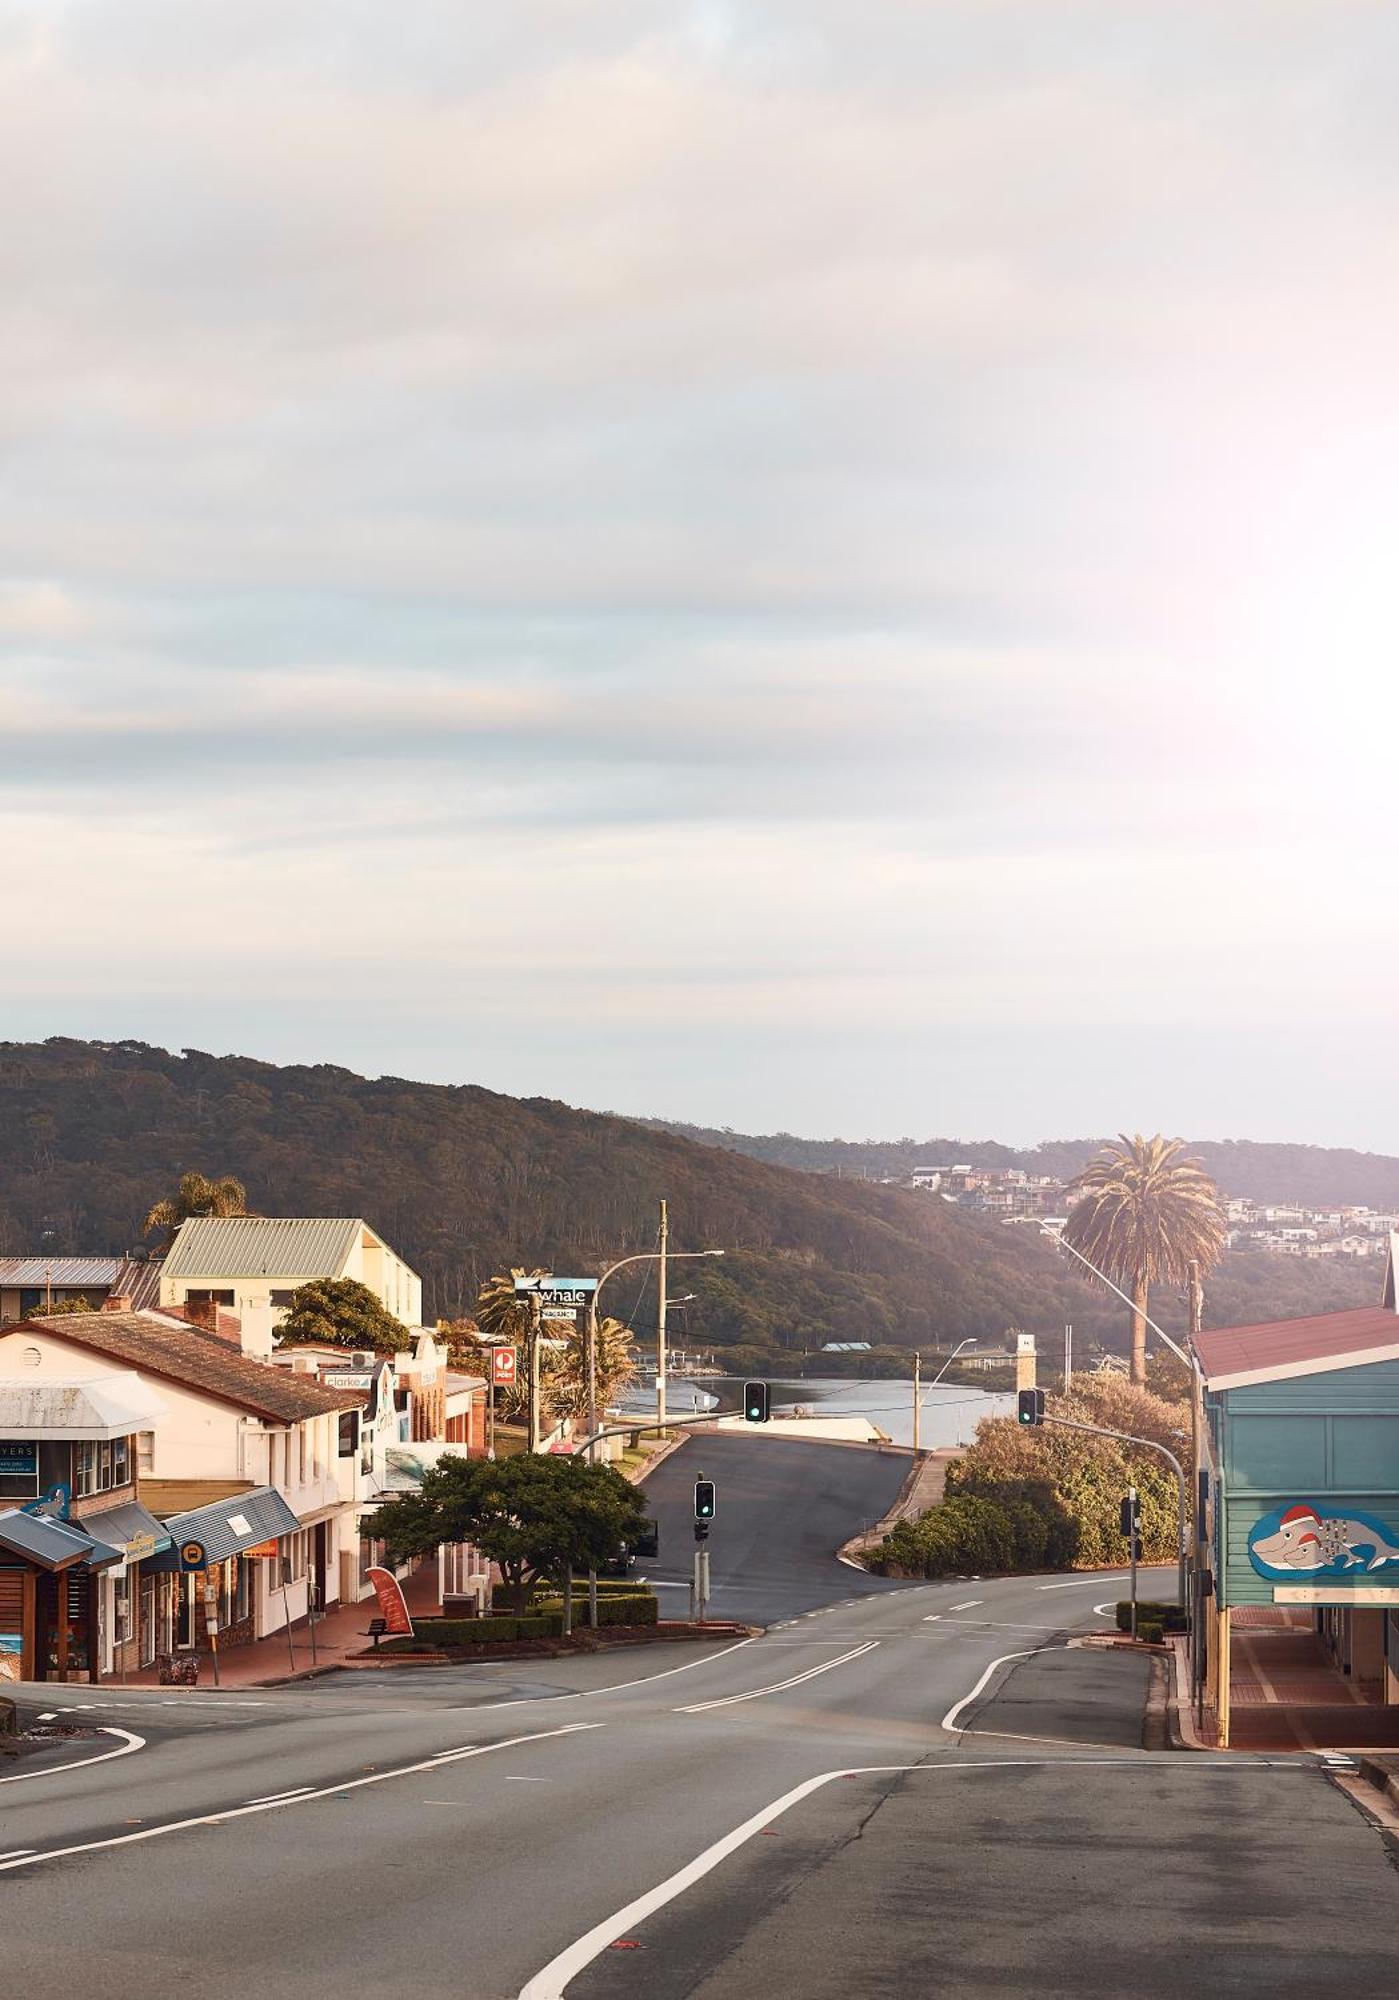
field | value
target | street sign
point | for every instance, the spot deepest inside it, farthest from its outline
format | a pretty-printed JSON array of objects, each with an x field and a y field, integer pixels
[
  {"x": 566, "y": 1313},
  {"x": 503, "y": 1367},
  {"x": 556, "y": 1291}
]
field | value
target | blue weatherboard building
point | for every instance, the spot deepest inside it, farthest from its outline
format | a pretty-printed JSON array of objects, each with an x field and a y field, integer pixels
[{"x": 1300, "y": 1443}]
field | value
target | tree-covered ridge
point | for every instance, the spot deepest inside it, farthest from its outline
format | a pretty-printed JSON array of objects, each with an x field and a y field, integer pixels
[
  {"x": 465, "y": 1182},
  {"x": 1313, "y": 1176}
]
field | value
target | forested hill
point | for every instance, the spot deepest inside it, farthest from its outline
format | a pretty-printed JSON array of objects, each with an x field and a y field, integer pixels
[
  {"x": 465, "y": 1182},
  {"x": 1313, "y": 1175}
]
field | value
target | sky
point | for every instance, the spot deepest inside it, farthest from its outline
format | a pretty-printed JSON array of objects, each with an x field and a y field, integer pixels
[{"x": 785, "y": 565}]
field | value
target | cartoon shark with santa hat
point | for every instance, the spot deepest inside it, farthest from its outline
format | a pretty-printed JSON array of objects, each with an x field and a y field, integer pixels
[{"x": 1305, "y": 1538}]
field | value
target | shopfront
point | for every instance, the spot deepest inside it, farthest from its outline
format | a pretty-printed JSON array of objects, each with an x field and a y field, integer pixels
[
  {"x": 206, "y": 1587},
  {"x": 50, "y": 1575},
  {"x": 1303, "y": 1519}
]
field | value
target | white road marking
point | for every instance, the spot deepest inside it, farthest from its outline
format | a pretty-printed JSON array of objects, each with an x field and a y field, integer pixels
[
  {"x": 515, "y": 1778},
  {"x": 949, "y": 1721},
  {"x": 130, "y": 1743},
  {"x": 970, "y": 1604},
  {"x": 222, "y": 1818},
  {"x": 1076, "y": 1583},
  {"x": 49, "y": 1715},
  {"x": 1106, "y": 1610},
  {"x": 932, "y": 1618},
  {"x": 581, "y": 1694},
  {"x": 850, "y": 1563},
  {"x": 551, "y": 1982},
  {"x": 275, "y": 1798},
  {"x": 776, "y": 1687},
  {"x": 15, "y": 1853}
]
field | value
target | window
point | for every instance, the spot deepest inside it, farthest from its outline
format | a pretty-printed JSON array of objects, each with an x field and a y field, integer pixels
[
  {"x": 349, "y": 1433},
  {"x": 210, "y": 1298},
  {"x": 280, "y": 1299},
  {"x": 121, "y": 1609},
  {"x": 98, "y": 1467},
  {"x": 19, "y": 1470},
  {"x": 145, "y": 1451}
]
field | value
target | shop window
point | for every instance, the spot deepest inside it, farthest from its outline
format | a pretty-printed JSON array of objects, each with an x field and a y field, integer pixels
[
  {"x": 98, "y": 1467},
  {"x": 121, "y": 1609},
  {"x": 19, "y": 1469}
]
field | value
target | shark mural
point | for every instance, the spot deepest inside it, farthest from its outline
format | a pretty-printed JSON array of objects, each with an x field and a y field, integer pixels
[{"x": 1301, "y": 1539}]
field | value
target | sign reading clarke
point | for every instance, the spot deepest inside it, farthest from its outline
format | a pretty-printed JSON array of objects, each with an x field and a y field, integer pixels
[{"x": 1302, "y": 1539}]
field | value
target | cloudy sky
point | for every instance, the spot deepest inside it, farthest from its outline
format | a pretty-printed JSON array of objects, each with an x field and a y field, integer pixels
[{"x": 780, "y": 563}]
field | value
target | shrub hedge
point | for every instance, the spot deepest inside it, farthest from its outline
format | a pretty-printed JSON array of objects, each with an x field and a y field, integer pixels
[
  {"x": 1169, "y": 1617},
  {"x": 546, "y": 1622}
]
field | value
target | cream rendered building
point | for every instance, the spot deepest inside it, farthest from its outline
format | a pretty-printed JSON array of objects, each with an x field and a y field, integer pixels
[{"x": 251, "y": 1265}]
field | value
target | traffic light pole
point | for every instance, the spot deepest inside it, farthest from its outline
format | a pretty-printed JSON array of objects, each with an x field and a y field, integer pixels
[{"x": 1149, "y": 1444}]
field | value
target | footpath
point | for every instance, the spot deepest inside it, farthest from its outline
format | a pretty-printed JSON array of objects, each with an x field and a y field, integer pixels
[{"x": 923, "y": 1488}]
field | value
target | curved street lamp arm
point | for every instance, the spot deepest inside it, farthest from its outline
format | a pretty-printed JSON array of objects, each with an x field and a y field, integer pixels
[{"x": 1188, "y": 1358}]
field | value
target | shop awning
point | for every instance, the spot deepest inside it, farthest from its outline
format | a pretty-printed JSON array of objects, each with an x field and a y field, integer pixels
[
  {"x": 52, "y": 1545},
  {"x": 227, "y": 1527},
  {"x": 131, "y": 1528}
]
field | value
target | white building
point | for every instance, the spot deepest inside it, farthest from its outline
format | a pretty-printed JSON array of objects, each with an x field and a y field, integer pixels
[
  {"x": 251, "y": 1265},
  {"x": 242, "y": 1457}
]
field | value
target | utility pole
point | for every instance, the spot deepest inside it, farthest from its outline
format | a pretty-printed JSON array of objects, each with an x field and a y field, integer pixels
[
  {"x": 917, "y": 1401},
  {"x": 1196, "y": 1305},
  {"x": 662, "y": 1246},
  {"x": 535, "y": 1321},
  {"x": 1068, "y": 1358}
]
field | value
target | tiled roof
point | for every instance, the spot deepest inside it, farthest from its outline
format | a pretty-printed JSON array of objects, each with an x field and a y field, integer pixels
[
  {"x": 35, "y": 1272},
  {"x": 160, "y": 1346},
  {"x": 1278, "y": 1349},
  {"x": 259, "y": 1246}
]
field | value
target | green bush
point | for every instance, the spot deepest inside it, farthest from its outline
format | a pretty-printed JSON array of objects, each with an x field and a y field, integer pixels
[
  {"x": 638, "y": 1607},
  {"x": 1169, "y": 1617},
  {"x": 1150, "y": 1630}
]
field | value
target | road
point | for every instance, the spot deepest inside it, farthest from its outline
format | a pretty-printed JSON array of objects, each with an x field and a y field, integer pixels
[
  {"x": 783, "y": 1508},
  {"x": 873, "y": 1799}
]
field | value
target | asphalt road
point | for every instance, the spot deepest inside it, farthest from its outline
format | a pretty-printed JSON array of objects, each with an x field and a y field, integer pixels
[
  {"x": 782, "y": 1509},
  {"x": 873, "y": 1799}
]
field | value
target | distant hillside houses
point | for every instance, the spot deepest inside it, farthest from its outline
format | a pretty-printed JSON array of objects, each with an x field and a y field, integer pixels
[{"x": 1011, "y": 1194}]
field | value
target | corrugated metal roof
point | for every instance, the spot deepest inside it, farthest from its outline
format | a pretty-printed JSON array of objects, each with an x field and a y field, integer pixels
[
  {"x": 138, "y": 1279},
  {"x": 53, "y": 1545},
  {"x": 258, "y": 1246},
  {"x": 230, "y": 1526},
  {"x": 37, "y": 1272},
  {"x": 127, "y": 1522},
  {"x": 1274, "y": 1350}
]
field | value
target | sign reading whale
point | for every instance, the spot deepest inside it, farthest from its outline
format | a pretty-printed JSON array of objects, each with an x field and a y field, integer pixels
[{"x": 1303, "y": 1539}]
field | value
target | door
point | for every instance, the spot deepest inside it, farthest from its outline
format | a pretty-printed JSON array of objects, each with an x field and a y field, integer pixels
[{"x": 318, "y": 1564}]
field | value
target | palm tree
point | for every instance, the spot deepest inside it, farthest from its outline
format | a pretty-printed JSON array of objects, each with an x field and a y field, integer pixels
[
  {"x": 197, "y": 1196},
  {"x": 505, "y": 1317},
  {"x": 1145, "y": 1214},
  {"x": 614, "y": 1365}
]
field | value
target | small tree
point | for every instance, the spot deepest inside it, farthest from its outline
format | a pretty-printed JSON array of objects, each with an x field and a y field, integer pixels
[
  {"x": 76, "y": 1304},
  {"x": 537, "y": 1516},
  {"x": 343, "y": 1312}
]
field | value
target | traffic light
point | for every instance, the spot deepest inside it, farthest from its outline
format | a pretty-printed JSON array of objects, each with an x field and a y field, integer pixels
[
  {"x": 704, "y": 1499},
  {"x": 1131, "y": 1515},
  {"x": 1030, "y": 1406},
  {"x": 757, "y": 1402}
]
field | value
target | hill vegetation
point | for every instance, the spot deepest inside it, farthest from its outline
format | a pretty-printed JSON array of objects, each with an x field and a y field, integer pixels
[
  {"x": 1312, "y": 1175},
  {"x": 466, "y": 1183}
]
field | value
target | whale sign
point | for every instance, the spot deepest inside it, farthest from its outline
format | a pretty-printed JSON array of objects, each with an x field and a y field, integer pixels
[{"x": 1303, "y": 1539}]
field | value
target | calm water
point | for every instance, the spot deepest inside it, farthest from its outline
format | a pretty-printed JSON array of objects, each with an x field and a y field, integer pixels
[{"x": 950, "y": 1413}]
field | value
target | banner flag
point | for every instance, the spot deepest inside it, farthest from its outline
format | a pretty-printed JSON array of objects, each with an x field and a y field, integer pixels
[{"x": 392, "y": 1608}]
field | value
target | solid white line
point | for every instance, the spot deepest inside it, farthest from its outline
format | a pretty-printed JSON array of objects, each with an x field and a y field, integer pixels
[
  {"x": 130, "y": 1744},
  {"x": 613, "y": 1687},
  {"x": 850, "y": 1563},
  {"x": 1077, "y": 1583},
  {"x": 949, "y": 1721},
  {"x": 550, "y": 1983},
  {"x": 1106, "y": 1610},
  {"x": 222, "y": 1817},
  {"x": 776, "y": 1687},
  {"x": 275, "y": 1798},
  {"x": 970, "y": 1604},
  {"x": 15, "y": 1853}
]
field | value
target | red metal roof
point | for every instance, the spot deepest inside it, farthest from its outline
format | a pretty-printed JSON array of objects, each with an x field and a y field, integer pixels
[{"x": 1280, "y": 1347}]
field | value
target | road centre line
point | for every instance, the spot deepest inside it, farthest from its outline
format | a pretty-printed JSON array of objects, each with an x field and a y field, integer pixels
[
  {"x": 949, "y": 1721},
  {"x": 131, "y": 1744},
  {"x": 221, "y": 1817},
  {"x": 276, "y": 1798},
  {"x": 15, "y": 1853},
  {"x": 581, "y": 1694},
  {"x": 969, "y": 1605},
  {"x": 1076, "y": 1583},
  {"x": 793, "y": 1680},
  {"x": 551, "y": 1982}
]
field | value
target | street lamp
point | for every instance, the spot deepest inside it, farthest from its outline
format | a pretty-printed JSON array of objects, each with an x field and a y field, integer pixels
[
  {"x": 949, "y": 1361},
  {"x": 640, "y": 1257}
]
